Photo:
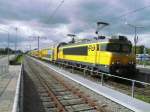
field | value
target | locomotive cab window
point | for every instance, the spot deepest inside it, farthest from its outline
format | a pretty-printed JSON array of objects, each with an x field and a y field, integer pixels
[
  {"x": 126, "y": 48},
  {"x": 116, "y": 47}
]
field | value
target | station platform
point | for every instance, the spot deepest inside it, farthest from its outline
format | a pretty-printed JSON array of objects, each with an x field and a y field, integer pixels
[
  {"x": 115, "y": 96},
  {"x": 8, "y": 85}
]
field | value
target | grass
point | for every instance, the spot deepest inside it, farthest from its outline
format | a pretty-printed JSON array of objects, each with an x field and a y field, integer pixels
[
  {"x": 143, "y": 62},
  {"x": 143, "y": 98},
  {"x": 17, "y": 60}
]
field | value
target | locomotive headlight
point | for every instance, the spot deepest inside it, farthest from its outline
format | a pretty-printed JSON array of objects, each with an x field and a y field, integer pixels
[
  {"x": 131, "y": 62},
  {"x": 117, "y": 62},
  {"x": 113, "y": 63}
]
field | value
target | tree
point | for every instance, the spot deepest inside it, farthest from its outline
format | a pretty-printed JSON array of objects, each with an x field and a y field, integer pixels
[
  {"x": 139, "y": 49},
  {"x": 4, "y": 51}
]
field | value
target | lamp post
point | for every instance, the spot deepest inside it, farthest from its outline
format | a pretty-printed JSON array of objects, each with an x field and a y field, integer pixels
[
  {"x": 38, "y": 41},
  {"x": 16, "y": 29},
  {"x": 135, "y": 34},
  {"x": 8, "y": 36},
  {"x": 29, "y": 45}
]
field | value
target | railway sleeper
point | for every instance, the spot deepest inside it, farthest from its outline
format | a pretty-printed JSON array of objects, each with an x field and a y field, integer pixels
[{"x": 70, "y": 102}]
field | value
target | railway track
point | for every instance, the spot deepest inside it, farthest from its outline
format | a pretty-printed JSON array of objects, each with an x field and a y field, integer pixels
[
  {"x": 141, "y": 91},
  {"x": 57, "y": 95}
]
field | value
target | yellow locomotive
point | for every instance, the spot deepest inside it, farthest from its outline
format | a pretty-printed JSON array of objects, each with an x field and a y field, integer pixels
[{"x": 113, "y": 55}]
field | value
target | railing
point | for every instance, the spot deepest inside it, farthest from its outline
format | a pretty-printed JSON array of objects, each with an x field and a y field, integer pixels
[{"x": 104, "y": 75}]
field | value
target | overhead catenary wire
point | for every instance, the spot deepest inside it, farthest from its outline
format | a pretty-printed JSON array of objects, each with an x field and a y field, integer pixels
[
  {"x": 134, "y": 11},
  {"x": 122, "y": 17},
  {"x": 113, "y": 19},
  {"x": 128, "y": 13},
  {"x": 56, "y": 9},
  {"x": 54, "y": 12}
]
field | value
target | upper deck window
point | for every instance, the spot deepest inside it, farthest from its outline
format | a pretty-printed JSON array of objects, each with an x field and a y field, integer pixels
[{"x": 116, "y": 47}]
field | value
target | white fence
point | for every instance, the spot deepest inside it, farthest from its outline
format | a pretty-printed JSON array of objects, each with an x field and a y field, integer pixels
[{"x": 133, "y": 82}]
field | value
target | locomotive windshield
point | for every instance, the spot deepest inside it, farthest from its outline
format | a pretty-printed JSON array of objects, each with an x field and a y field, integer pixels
[{"x": 116, "y": 47}]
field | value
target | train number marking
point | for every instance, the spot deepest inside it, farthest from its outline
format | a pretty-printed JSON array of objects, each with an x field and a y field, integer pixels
[{"x": 91, "y": 48}]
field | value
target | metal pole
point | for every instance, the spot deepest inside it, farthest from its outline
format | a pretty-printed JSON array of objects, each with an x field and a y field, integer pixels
[
  {"x": 144, "y": 51},
  {"x": 38, "y": 44},
  {"x": 16, "y": 42},
  {"x": 102, "y": 79},
  {"x": 72, "y": 69},
  {"x": 8, "y": 51},
  {"x": 91, "y": 71},
  {"x": 84, "y": 71},
  {"x": 30, "y": 47},
  {"x": 133, "y": 85},
  {"x": 135, "y": 40}
]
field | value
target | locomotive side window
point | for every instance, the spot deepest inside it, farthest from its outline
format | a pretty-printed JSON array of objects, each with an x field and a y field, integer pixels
[
  {"x": 76, "y": 51},
  {"x": 113, "y": 47}
]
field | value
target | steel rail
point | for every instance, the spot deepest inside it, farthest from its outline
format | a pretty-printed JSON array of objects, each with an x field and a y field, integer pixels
[
  {"x": 76, "y": 91},
  {"x": 58, "y": 105},
  {"x": 102, "y": 74}
]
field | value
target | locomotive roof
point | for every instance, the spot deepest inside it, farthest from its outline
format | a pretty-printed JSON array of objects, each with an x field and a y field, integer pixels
[{"x": 107, "y": 40}]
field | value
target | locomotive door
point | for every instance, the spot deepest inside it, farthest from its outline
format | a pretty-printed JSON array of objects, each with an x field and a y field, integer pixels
[
  {"x": 92, "y": 53},
  {"x": 98, "y": 54}
]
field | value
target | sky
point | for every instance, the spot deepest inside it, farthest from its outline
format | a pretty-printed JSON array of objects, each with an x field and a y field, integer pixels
[{"x": 52, "y": 20}]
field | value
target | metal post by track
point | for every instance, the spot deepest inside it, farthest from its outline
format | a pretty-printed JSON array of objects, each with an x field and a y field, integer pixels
[
  {"x": 85, "y": 71},
  {"x": 102, "y": 79},
  {"x": 133, "y": 86},
  {"x": 72, "y": 69}
]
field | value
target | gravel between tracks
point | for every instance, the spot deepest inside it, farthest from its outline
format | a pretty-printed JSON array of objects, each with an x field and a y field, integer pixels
[
  {"x": 109, "y": 105},
  {"x": 36, "y": 99}
]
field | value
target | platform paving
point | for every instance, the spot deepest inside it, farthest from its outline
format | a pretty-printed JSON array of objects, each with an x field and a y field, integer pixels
[{"x": 8, "y": 82}]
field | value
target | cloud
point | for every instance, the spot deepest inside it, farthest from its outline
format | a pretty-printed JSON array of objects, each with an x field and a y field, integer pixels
[{"x": 33, "y": 18}]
